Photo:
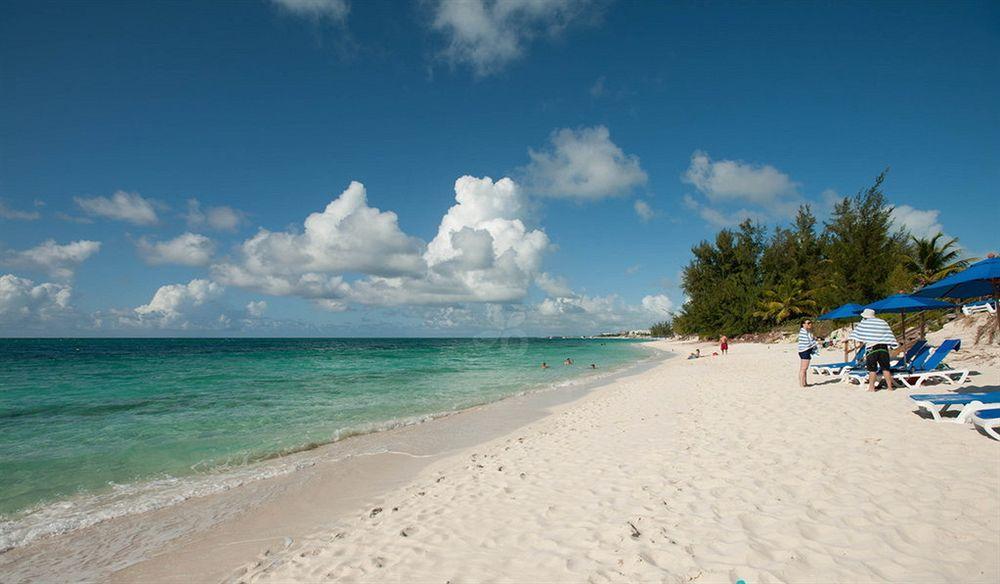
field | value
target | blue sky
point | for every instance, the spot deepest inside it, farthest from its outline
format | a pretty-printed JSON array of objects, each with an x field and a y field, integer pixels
[{"x": 143, "y": 146}]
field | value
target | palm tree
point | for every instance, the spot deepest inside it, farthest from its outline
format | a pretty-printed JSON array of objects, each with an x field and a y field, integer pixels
[
  {"x": 930, "y": 262},
  {"x": 788, "y": 300}
]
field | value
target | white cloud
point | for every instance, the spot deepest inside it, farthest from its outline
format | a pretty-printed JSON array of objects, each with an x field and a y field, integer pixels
[
  {"x": 920, "y": 223},
  {"x": 15, "y": 215},
  {"x": 644, "y": 211},
  {"x": 347, "y": 236},
  {"x": 256, "y": 308},
  {"x": 22, "y": 301},
  {"x": 658, "y": 304},
  {"x": 220, "y": 218},
  {"x": 122, "y": 206},
  {"x": 59, "y": 261},
  {"x": 583, "y": 164},
  {"x": 489, "y": 34},
  {"x": 553, "y": 285},
  {"x": 735, "y": 180},
  {"x": 335, "y": 10},
  {"x": 187, "y": 249},
  {"x": 483, "y": 252},
  {"x": 172, "y": 305}
]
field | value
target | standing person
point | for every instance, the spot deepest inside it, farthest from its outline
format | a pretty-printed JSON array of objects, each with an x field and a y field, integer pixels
[
  {"x": 807, "y": 346},
  {"x": 724, "y": 344},
  {"x": 876, "y": 334}
]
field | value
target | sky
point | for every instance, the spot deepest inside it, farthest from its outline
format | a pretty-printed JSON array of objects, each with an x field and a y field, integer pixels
[{"x": 457, "y": 167}]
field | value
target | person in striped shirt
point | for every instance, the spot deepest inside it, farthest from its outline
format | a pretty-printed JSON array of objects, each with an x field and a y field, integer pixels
[
  {"x": 876, "y": 334},
  {"x": 807, "y": 346}
]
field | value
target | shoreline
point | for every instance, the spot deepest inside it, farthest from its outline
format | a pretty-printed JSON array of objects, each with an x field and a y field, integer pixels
[
  {"x": 127, "y": 539},
  {"x": 709, "y": 470}
]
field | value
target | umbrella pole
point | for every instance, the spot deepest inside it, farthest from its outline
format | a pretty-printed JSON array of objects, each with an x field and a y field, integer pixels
[
  {"x": 996, "y": 301},
  {"x": 923, "y": 323}
]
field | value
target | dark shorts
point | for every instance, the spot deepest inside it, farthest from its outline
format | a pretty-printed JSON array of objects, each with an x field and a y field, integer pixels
[
  {"x": 877, "y": 359},
  {"x": 806, "y": 355}
]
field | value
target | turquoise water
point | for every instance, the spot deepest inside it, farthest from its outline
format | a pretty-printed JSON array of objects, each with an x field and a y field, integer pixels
[{"x": 78, "y": 416}]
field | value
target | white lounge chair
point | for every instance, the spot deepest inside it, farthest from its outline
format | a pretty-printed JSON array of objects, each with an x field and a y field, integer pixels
[
  {"x": 989, "y": 421},
  {"x": 966, "y": 403}
]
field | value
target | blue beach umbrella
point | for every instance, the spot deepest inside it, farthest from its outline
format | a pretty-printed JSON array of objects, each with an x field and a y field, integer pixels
[
  {"x": 849, "y": 310},
  {"x": 980, "y": 279},
  {"x": 903, "y": 303}
]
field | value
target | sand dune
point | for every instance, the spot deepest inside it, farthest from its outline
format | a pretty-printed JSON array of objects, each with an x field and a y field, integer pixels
[{"x": 710, "y": 470}]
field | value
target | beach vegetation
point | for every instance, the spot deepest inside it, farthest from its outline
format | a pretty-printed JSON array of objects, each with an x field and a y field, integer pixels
[{"x": 747, "y": 280}]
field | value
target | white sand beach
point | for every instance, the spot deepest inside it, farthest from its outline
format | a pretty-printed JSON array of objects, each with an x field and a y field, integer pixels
[{"x": 709, "y": 470}]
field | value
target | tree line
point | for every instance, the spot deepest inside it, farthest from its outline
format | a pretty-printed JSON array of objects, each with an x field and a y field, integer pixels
[{"x": 751, "y": 280}]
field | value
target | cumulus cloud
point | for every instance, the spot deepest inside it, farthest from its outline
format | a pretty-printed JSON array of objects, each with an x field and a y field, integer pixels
[
  {"x": 921, "y": 223},
  {"x": 187, "y": 249},
  {"x": 256, "y": 308},
  {"x": 658, "y": 304},
  {"x": 59, "y": 261},
  {"x": 333, "y": 10},
  {"x": 221, "y": 218},
  {"x": 172, "y": 306},
  {"x": 489, "y": 34},
  {"x": 553, "y": 285},
  {"x": 22, "y": 301},
  {"x": 735, "y": 180},
  {"x": 483, "y": 252},
  {"x": 121, "y": 206},
  {"x": 644, "y": 211},
  {"x": 347, "y": 236},
  {"x": 583, "y": 164},
  {"x": 16, "y": 215}
]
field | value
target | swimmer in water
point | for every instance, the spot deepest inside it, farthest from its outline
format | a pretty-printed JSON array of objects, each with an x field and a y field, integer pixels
[
  {"x": 568, "y": 361},
  {"x": 545, "y": 365},
  {"x": 592, "y": 366}
]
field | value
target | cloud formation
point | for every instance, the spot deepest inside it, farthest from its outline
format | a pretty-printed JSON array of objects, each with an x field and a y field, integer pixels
[
  {"x": 121, "y": 206},
  {"x": 920, "y": 223},
  {"x": 333, "y": 10},
  {"x": 22, "y": 301},
  {"x": 583, "y": 164},
  {"x": 15, "y": 215},
  {"x": 487, "y": 35},
  {"x": 59, "y": 261},
  {"x": 735, "y": 180},
  {"x": 644, "y": 211},
  {"x": 221, "y": 218},
  {"x": 187, "y": 249},
  {"x": 347, "y": 236},
  {"x": 172, "y": 306},
  {"x": 483, "y": 252},
  {"x": 256, "y": 308}
]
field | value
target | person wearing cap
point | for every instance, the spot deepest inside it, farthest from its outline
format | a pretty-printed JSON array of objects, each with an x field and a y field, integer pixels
[{"x": 876, "y": 334}]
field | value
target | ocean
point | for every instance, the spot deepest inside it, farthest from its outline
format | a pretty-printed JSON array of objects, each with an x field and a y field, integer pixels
[{"x": 96, "y": 428}]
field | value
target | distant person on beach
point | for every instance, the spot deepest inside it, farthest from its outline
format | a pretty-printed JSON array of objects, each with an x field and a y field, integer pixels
[
  {"x": 545, "y": 365},
  {"x": 695, "y": 355},
  {"x": 807, "y": 346},
  {"x": 876, "y": 334},
  {"x": 724, "y": 344}
]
